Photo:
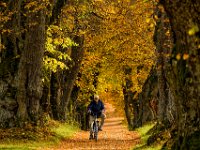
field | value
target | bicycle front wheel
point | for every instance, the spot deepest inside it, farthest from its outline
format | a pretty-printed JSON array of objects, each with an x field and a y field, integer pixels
[{"x": 96, "y": 131}]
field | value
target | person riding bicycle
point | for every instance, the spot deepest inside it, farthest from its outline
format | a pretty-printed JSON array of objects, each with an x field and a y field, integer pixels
[{"x": 96, "y": 107}]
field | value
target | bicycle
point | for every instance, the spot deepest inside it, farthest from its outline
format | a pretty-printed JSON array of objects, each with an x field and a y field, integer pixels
[{"x": 95, "y": 128}]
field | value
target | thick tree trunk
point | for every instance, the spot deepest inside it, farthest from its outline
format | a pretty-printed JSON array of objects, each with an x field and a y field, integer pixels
[
  {"x": 9, "y": 61},
  {"x": 162, "y": 40},
  {"x": 185, "y": 22},
  {"x": 149, "y": 92},
  {"x": 21, "y": 60},
  {"x": 29, "y": 83}
]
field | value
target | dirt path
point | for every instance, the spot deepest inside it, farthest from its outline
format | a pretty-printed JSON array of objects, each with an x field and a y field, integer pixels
[{"x": 114, "y": 136}]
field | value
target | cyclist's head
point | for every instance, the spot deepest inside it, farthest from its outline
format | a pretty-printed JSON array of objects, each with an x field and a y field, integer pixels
[{"x": 96, "y": 98}]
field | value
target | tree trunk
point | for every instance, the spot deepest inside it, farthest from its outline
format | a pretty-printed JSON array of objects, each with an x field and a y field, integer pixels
[
  {"x": 21, "y": 61},
  {"x": 9, "y": 61},
  {"x": 163, "y": 44},
  {"x": 185, "y": 22},
  {"x": 128, "y": 96},
  {"x": 76, "y": 56},
  {"x": 29, "y": 83},
  {"x": 136, "y": 123},
  {"x": 149, "y": 92},
  {"x": 55, "y": 98}
]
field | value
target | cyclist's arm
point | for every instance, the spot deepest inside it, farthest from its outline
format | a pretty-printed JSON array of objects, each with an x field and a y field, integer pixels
[
  {"x": 102, "y": 108},
  {"x": 90, "y": 107}
]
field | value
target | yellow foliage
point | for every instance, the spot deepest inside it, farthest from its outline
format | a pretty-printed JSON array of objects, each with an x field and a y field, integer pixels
[
  {"x": 185, "y": 56},
  {"x": 31, "y": 4},
  {"x": 193, "y": 30},
  {"x": 178, "y": 56},
  {"x": 148, "y": 20},
  {"x": 116, "y": 35},
  {"x": 122, "y": 39}
]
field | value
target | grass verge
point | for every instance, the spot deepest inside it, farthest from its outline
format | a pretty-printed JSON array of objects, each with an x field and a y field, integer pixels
[
  {"x": 40, "y": 138},
  {"x": 144, "y": 134}
]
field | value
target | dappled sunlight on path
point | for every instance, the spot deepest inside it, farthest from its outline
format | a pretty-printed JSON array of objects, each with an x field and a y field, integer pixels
[{"x": 114, "y": 136}]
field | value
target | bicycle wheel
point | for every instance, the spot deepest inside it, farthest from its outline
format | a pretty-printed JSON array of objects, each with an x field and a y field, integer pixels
[
  {"x": 92, "y": 130},
  {"x": 95, "y": 131}
]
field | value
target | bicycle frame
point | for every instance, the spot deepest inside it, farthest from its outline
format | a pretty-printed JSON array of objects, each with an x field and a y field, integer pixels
[{"x": 95, "y": 127}]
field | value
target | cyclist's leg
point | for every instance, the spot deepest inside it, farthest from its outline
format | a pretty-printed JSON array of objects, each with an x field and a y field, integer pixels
[
  {"x": 91, "y": 119},
  {"x": 103, "y": 116}
]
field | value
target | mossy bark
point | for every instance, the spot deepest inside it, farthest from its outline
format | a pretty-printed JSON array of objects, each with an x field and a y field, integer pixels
[
  {"x": 149, "y": 93},
  {"x": 185, "y": 63},
  {"x": 163, "y": 42}
]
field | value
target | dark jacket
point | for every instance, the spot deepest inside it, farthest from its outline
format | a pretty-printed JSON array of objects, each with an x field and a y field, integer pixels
[{"x": 96, "y": 108}]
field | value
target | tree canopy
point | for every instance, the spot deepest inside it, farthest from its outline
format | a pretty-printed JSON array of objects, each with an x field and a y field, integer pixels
[{"x": 140, "y": 55}]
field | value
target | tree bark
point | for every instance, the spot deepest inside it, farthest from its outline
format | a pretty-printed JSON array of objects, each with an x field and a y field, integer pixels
[
  {"x": 163, "y": 44},
  {"x": 29, "y": 83},
  {"x": 76, "y": 56},
  {"x": 149, "y": 92},
  {"x": 21, "y": 61},
  {"x": 55, "y": 98},
  {"x": 58, "y": 5},
  {"x": 9, "y": 61},
  {"x": 185, "y": 22},
  {"x": 128, "y": 96}
]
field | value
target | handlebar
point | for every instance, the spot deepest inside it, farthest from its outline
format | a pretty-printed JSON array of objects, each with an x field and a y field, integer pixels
[{"x": 94, "y": 114}]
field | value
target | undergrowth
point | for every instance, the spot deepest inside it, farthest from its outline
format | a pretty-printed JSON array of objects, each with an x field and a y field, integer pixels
[
  {"x": 31, "y": 138},
  {"x": 145, "y": 134}
]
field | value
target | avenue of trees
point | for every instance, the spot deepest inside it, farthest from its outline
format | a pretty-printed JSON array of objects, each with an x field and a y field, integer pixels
[{"x": 144, "y": 55}]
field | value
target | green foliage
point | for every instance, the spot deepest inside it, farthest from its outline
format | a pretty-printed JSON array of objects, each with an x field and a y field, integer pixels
[
  {"x": 56, "y": 59},
  {"x": 64, "y": 130},
  {"x": 193, "y": 141},
  {"x": 43, "y": 137},
  {"x": 53, "y": 64},
  {"x": 144, "y": 133}
]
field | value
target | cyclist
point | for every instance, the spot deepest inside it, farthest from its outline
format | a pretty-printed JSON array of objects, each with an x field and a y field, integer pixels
[{"x": 96, "y": 107}]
